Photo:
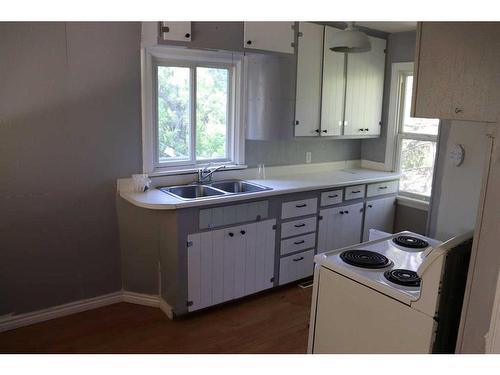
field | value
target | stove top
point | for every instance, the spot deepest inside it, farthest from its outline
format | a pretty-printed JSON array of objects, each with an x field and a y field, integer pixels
[
  {"x": 410, "y": 242},
  {"x": 365, "y": 259},
  {"x": 403, "y": 277}
]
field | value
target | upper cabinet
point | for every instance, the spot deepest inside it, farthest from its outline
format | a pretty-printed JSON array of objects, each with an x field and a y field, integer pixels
[
  {"x": 351, "y": 87},
  {"x": 308, "y": 87},
  {"x": 457, "y": 71},
  {"x": 270, "y": 36},
  {"x": 176, "y": 31}
]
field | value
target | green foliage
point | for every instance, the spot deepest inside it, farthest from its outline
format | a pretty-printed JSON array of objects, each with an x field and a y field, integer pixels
[{"x": 174, "y": 112}]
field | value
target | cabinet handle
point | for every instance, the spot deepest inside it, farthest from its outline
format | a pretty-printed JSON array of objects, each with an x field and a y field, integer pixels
[
  {"x": 165, "y": 29},
  {"x": 458, "y": 110},
  {"x": 298, "y": 259},
  {"x": 341, "y": 212},
  {"x": 370, "y": 206},
  {"x": 360, "y": 130},
  {"x": 346, "y": 212},
  {"x": 187, "y": 35},
  {"x": 231, "y": 234},
  {"x": 299, "y": 225},
  {"x": 382, "y": 187},
  {"x": 356, "y": 192},
  {"x": 249, "y": 42},
  {"x": 297, "y": 122},
  {"x": 299, "y": 242},
  {"x": 300, "y": 205},
  {"x": 324, "y": 131},
  {"x": 242, "y": 232},
  {"x": 317, "y": 130},
  {"x": 367, "y": 129},
  {"x": 333, "y": 196}
]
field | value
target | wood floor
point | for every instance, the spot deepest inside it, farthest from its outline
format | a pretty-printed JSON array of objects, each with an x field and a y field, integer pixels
[{"x": 274, "y": 322}]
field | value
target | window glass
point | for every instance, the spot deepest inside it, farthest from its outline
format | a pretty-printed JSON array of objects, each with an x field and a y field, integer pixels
[
  {"x": 173, "y": 113},
  {"x": 416, "y": 166},
  {"x": 211, "y": 113},
  {"x": 413, "y": 124}
]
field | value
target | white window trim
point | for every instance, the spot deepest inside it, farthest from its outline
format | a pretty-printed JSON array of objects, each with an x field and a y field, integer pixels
[
  {"x": 394, "y": 137},
  {"x": 149, "y": 56}
]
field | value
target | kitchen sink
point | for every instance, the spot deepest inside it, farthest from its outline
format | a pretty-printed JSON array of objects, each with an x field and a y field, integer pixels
[
  {"x": 214, "y": 189},
  {"x": 238, "y": 186},
  {"x": 192, "y": 191}
]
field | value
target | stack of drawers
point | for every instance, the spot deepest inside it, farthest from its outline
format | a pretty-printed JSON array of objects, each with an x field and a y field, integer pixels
[{"x": 298, "y": 239}]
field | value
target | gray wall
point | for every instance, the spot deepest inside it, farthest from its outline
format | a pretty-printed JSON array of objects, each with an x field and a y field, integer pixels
[
  {"x": 409, "y": 218},
  {"x": 294, "y": 151},
  {"x": 69, "y": 126},
  {"x": 400, "y": 48}
]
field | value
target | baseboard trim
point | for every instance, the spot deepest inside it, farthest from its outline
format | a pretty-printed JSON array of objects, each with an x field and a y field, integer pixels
[
  {"x": 10, "y": 322},
  {"x": 141, "y": 299},
  {"x": 22, "y": 320}
]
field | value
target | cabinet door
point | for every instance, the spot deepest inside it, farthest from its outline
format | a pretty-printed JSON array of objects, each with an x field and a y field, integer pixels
[
  {"x": 176, "y": 31},
  {"x": 269, "y": 36},
  {"x": 379, "y": 214},
  {"x": 333, "y": 93},
  {"x": 364, "y": 90},
  {"x": 265, "y": 254},
  {"x": 457, "y": 62},
  {"x": 340, "y": 227},
  {"x": 308, "y": 93}
]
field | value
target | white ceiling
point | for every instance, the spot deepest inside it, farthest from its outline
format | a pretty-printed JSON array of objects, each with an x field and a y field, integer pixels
[{"x": 390, "y": 27}]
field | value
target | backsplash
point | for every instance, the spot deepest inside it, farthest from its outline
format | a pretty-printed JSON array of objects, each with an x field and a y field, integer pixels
[{"x": 294, "y": 151}]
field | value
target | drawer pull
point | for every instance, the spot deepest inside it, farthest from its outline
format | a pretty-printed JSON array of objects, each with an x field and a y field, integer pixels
[
  {"x": 301, "y": 205},
  {"x": 299, "y": 242},
  {"x": 242, "y": 232},
  {"x": 333, "y": 196},
  {"x": 231, "y": 234},
  {"x": 382, "y": 187},
  {"x": 370, "y": 206},
  {"x": 298, "y": 259},
  {"x": 341, "y": 212},
  {"x": 299, "y": 225},
  {"x": 346, "y": 212},
  {"x": 356, "y": 192}
]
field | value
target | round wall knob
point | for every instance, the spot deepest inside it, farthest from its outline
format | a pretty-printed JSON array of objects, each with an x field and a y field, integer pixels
[
  {"x": 317, "y": 130},
  {"x": 249, "y": 42},
  {"x": 242, "y": 232},
  {"x": 187, "y": 35},
  {"x": 297, "y": 122},
  {"x": 231, "y": 234}
]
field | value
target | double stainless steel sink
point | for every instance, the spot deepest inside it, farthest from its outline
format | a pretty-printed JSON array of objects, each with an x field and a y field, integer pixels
[{"x": 218, "y": 188}]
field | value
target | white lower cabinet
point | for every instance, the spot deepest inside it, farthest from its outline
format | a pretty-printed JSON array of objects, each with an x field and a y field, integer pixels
[
  {"x": 229, "y": 263},
  {"x": 340, "y": 227},
  {"x": 379, "y": 215},
  {"x": 296, "y": 267}
]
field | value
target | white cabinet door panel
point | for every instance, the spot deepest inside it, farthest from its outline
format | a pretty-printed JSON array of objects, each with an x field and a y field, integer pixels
[
  {"x": 206, "y": 257},
  {"x": 308, "y": 93},
  {"x": 240, "y": 252},
  {"x": 250, "y": 258},
  {"x": 269, "y": 36},
  {"x": 231, "y": 241},
  {"x": 194, "y": 272},
  {"x": 265, "y": 254},
  {"x": 364, "y": 90},
  {"x": 379, "y": 214},
  {"x": 340, "y": 227},
  {"x": 217, "y": 266}
]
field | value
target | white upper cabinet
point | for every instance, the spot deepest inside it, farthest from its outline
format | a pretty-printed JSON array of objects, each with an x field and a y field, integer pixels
[
  {"x": 308, "y": 94},
  {"x": 176, "y": 31},
  {"x": 269, "y": 36},
  {"x": 332, "y": 109},
  {"x": 457, "y": 71},
  {"x": 364, "y": 90}
]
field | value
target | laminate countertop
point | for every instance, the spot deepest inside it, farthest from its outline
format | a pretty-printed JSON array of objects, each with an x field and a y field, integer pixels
[{"x": 280, "y": 184}]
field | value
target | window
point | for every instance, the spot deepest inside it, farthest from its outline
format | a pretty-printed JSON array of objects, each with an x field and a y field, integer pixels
[
  {"x": 192, "y": 105},
  {"x": 416, "y": 145}
]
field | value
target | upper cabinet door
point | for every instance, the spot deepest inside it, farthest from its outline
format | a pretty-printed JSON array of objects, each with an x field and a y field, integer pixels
[
  {"x": 333, "y": 94},
  {"x": 270, "y": 36},
  {"x": 176, "y": 31},
  {"x": 364, "y": 90},
  {"x": 309, "y": 65},
  {"x": 457, "y": 71}
]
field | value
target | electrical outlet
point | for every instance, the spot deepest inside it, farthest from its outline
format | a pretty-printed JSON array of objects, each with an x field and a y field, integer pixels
[{"x": 308, "y": 157}]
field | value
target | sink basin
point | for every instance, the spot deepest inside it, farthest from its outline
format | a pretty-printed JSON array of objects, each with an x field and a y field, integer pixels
[
  {"x": 238, "y": 187},
  {"x": 192, "y": 191}
]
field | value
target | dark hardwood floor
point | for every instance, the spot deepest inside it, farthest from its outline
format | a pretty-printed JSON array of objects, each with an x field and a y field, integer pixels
[{"x": 273, "y": 322}]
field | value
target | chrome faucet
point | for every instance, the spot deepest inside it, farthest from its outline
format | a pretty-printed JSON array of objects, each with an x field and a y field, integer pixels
[{"x": 206, "y": 173}]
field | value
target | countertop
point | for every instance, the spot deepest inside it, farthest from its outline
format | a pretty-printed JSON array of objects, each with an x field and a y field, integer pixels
[{"x": 284, "y": 184}]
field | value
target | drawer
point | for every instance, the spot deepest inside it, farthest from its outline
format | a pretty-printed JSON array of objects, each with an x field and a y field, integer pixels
[
  {"x": 296, "y": 267},
  {"x": 299, "y": 208},
  {"x": 296, "y": 227},
  {"x": 382, "y": 188},
  {"x": 233, "y": 214},
  {"x": 331, "y": 197},
  {"x": 355, "y": 192},
  {"x": 294, "y": 244}
]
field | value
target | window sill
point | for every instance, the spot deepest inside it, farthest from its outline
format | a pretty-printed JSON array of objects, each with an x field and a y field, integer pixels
[
  {"x": 413, "y": 203},
  {"x": 190, "y": 170}
]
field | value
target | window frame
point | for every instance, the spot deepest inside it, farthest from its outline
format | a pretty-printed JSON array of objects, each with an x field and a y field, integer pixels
[
  {"x": 155, "y": 56},
  {"x": 396, "y": 135}
]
